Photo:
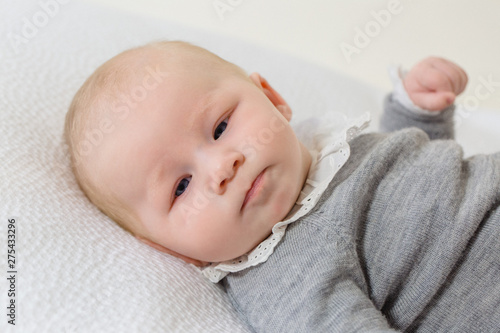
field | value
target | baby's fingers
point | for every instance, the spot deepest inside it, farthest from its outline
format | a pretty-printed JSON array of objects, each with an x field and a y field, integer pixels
[
  {"x": 455, "y": 75},
  {"x": 435, "y": 79},
  {"x": 434, "y": 101}
]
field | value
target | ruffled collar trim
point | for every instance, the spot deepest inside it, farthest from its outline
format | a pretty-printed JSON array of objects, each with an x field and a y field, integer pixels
[{"x": 329, "y": 148}]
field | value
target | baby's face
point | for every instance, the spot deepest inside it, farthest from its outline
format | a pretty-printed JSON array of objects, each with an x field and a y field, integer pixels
[{"x": 208, "y": 164}]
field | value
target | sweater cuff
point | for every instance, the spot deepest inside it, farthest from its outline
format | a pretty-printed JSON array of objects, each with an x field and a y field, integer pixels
[{"x": 400, "y": 94}]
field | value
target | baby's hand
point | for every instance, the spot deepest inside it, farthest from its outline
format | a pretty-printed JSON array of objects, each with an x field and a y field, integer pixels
[{"x": 433, "y": 83}]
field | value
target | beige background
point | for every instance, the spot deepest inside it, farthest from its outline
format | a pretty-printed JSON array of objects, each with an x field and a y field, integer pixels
[{"x": 377, "y": 33}]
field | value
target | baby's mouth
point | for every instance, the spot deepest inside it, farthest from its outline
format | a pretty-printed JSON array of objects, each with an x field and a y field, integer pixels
[{"x": 254, "y": 189}]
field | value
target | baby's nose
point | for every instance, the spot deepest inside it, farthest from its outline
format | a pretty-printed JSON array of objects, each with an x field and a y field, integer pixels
[{"x": 225, "y": 172}]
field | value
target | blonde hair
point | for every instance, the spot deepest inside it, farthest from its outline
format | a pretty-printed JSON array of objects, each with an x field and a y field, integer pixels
[
  {"x": 95, "y": 98},
  {"x": 87, "y": 105}
]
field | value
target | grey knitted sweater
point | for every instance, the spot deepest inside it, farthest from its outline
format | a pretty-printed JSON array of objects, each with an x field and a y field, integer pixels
[{"x": 406, "y": 237}]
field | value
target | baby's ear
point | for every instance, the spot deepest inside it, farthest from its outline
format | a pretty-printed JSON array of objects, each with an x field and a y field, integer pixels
[
  {"x": 273, "y": 95},
  {"x": 161, "y": 248}
]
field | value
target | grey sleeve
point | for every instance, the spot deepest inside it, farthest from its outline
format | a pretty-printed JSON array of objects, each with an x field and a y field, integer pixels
[
  {"x": 397, "y": 117},
  {"x": 430, "y": 241}
]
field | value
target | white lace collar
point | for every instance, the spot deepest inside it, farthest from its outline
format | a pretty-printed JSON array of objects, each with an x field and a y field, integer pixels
[{"x": 327, "y": 140}]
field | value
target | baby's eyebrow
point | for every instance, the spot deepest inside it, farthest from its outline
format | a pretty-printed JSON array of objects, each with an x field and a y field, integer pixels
[{"x": 201, "y": 111}]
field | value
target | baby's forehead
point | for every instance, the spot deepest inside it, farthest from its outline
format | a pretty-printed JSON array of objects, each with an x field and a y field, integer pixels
[
  {"x": 140, "y": 75},
  {"x": 171, "y": 55},
  {"x": 133, "y": 66},
  {"x": 136, "y": 72}
]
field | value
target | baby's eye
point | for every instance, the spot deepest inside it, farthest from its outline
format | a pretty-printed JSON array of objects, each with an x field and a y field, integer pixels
[
  {"x": 183, "y": 184},
  {"x": 220, "y": 129}
]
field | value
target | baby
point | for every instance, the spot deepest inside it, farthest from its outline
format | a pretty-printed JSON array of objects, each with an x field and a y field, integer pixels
[{"x": 347, "y": 233}]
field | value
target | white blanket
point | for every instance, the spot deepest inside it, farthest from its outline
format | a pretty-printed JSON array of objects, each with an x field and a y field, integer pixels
[{"x": 75, "y": 270}]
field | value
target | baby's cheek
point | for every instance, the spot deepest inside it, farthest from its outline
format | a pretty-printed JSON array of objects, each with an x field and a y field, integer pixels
[{"x": 282, "y": 206}]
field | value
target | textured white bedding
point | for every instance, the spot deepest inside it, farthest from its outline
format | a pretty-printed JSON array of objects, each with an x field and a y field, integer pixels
[{"x": 76, "y": 270}]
